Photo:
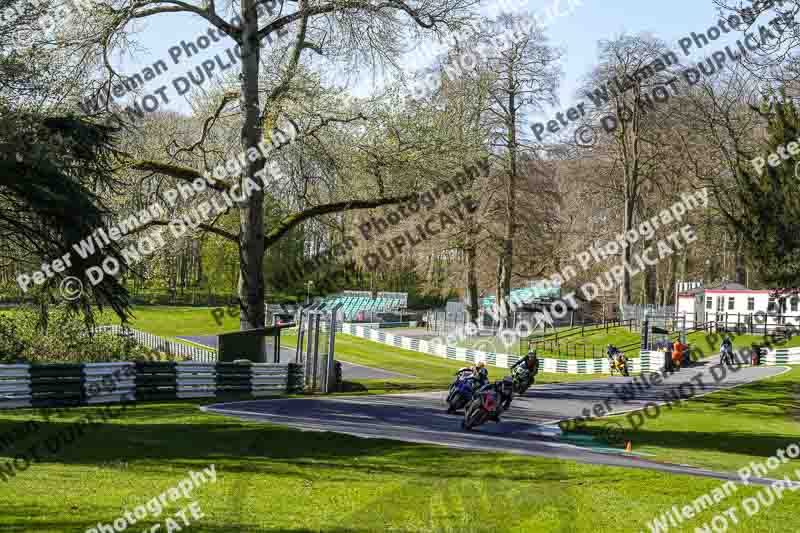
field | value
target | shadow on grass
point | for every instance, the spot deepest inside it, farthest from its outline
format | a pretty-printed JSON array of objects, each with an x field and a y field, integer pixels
[
  {"x": 352, "y": 386},
  {"x": 182, "y": 435},
  {"x": 722, "y": 442},
  {"x": 750, "y": 409}
]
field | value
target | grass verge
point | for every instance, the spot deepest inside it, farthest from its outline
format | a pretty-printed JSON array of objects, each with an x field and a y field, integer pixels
[
  {"x": 724, "y": 430},
  {"x": 274, "y": 479}
]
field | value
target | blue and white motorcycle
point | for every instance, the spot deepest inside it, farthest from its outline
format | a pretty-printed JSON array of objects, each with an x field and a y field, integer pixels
[{"x": 462, "y": 389}]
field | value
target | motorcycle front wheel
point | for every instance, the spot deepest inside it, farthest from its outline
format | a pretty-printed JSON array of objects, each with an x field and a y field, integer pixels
[{"x": 458, "y": 403}]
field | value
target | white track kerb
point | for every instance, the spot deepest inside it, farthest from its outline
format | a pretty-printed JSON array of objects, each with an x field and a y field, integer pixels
[{"x": 154, "y": 507}]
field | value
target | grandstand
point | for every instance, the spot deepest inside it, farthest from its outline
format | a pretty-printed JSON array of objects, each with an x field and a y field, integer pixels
[
  {"x": 360, "y": 306},
  {"x": 536, "y": 293}
]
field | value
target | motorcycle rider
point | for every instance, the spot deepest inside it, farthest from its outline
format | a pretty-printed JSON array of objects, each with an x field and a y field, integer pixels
[
  {"x": 503, "y": 391},
  {"x": 615, "y": 357},
  {"x": 611, "y": 353},
  {"x": 531, "y": 362},
  {"x": 727, "y": 346},
  {"x": 481, "y": 374}
]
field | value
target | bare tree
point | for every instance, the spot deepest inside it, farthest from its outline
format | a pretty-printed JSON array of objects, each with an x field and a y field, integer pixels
[
  {"x": 775, "y": 58},
  {"x": 526, "y": 76},
  {"x": 633, "y": 71},
  {"x": 365, "y": 29}
]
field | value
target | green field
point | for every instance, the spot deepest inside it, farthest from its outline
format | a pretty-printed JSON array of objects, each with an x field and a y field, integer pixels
[
  {"x": 564, "y": 343},
  {"x": 724, "y": 430},
  {"x": 430, "y": 372},
  {"x": 276, "y": 479},
  {"x": 171, "y": 321},
  {"x": 575, "y": 345}
]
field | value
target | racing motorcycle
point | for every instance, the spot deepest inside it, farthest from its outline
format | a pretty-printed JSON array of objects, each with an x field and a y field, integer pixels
[
  {"x": 461, "y": 390},
  {"x": 488, "y": 403},
  {"x": 523, "y": 373},
  {"x": 620, "y": 364}
]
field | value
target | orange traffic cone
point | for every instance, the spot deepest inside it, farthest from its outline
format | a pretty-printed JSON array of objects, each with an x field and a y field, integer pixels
[{"x": 628, "y": 447}]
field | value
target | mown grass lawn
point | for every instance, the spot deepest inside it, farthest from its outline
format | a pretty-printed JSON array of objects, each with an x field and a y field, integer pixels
[
  {"x": 167, "y": 321},
  {"x": 276, "y": 479},
  {"x": 722, "y": 431},
  {"x": 170, "y": 321}
]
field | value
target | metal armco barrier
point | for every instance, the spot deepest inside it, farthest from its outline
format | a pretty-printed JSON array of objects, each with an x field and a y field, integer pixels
[
  {"x": 296, "y": 383},
  {"x": 96, "y": 383}
]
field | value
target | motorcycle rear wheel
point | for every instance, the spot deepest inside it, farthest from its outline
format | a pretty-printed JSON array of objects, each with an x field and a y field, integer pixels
[{"x": 474, "y": 416}]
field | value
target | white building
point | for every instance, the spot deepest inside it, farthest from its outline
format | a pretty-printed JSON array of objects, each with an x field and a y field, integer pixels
[{"x": 732, "y": 303}]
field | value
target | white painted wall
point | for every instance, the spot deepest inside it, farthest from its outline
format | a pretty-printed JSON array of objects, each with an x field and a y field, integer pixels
[{"x": 735, "y": 303}]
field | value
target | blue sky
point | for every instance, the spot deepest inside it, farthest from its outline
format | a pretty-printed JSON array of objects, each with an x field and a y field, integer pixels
[{"x": 577, "y": 33}]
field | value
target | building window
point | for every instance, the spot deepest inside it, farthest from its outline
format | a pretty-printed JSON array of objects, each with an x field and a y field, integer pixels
[
  {"x": 720, "y": 303},
  {"x": 731, "y": 303},
  {"x": 771, "y": 306},
  {"x": 709, "y": 305},
  {"x": 751, "y": 304}
]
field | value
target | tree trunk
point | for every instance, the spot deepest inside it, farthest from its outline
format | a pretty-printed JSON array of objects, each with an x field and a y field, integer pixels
[
  {"x": 472, "y": 284},
  {"x": 251, "y": 214},
  {"x": 668, "y": 297},
  {"x": 199, "y": 258},
  {"x": 650, "y": 278},
  {"x": 740, "y": 272},
  {"x": 506, "y": 259},
  {"x": 627, "y": 253}
]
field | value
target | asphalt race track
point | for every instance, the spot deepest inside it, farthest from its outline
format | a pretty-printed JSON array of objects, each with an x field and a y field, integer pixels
[
  {"x": 349, "y": 370},
  {"x": 527, "y": 428}
]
